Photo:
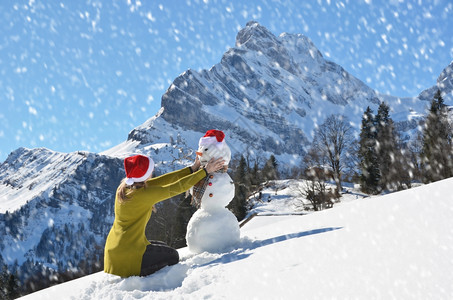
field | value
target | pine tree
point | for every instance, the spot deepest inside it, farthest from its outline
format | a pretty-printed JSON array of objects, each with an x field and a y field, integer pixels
[
  {"x": 9, "y": 286},
  {"x": 255, "y": 177},
  {"x": 369, "y": 178},
  {"x": 242, "y": 190},
  {"x": 436, "y": 153},
  {"x": 270, "y": 169},
  {"x": 3, "y": 282},
  {"x": 387, "y": 149}
]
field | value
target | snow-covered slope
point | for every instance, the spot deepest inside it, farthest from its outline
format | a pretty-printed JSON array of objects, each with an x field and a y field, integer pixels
[{"x": 396, "y": 246}]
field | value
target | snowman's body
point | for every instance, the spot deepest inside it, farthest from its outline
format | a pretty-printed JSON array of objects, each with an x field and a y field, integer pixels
[{"x": 213, "y": 228}]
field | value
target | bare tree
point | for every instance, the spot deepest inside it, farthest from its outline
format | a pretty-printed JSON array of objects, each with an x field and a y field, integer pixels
[
  {"x": 415, "y": 148},
  {"x": 332, "y": 142},
  {"x": 315, "y": 191}
]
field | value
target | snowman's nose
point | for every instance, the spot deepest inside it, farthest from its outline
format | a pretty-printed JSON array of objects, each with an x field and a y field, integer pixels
[{"x": 199, "y": 153}]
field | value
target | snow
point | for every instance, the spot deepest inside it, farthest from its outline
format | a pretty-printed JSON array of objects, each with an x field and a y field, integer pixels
[
  {"x": 396, "y": 246},
  {"x": 53, "y": 166},
  {"x": 212, "y": 231}
]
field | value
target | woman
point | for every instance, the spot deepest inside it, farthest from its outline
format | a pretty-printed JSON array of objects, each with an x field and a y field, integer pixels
[{"x": 127, "y": 251}]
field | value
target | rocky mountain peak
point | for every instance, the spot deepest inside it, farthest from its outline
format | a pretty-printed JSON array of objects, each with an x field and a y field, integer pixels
[
  {"x": 267, "y": 83},
  {"x": 445, "y": 79},
  {"x": 444, "y": 84},
  {"x": 255, "y": 37}
]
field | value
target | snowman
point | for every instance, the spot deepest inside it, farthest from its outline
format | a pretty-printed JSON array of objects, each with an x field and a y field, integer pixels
[{"x": 213, "y": 228}]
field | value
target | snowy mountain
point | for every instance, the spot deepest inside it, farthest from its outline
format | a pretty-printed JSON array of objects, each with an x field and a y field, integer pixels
[
  {"x": 267, "y": 94},
  {"x": 444, "y": 83},
  {"x": 56, "y": 208},
  {"x": 396, "y": 246}
]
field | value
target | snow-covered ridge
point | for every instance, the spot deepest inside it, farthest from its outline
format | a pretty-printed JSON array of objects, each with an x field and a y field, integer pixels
[
  {"x": 444, "y": 83},
  {"x": 28, "y": 174},
  {"x": 396, "y": 246},
  {"x": 54, "y": 201}
]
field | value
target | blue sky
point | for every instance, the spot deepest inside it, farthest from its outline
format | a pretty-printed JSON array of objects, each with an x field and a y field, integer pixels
[{"x": 79, "y": 75}]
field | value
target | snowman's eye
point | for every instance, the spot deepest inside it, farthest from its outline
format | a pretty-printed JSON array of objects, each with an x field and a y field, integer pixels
[{"x": 206, "y": 149}]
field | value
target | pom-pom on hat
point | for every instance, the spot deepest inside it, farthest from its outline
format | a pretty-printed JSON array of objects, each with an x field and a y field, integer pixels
[
  {"x": 138, "y": 168},
  {"x": 212, "y": 137}
]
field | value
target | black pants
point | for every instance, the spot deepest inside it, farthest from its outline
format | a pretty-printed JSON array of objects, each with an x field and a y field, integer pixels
[{"x": 158, "y": 255}]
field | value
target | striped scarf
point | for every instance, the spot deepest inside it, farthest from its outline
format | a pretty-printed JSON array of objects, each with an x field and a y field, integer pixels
[{"x": 200, "y": 187}]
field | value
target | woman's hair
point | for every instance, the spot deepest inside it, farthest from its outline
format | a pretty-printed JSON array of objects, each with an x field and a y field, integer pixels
[{"x": 122, "y": 192}]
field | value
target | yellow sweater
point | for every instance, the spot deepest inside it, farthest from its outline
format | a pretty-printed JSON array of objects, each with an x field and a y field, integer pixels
[{"x": 126, "y": 241}]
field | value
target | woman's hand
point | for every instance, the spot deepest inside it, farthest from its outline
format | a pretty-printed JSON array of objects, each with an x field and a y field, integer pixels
[
  {"x": 214, "y": 165},
  {"x": 196, "y": 165}
]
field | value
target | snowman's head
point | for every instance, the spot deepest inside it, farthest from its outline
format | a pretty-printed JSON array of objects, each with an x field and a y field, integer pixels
[{"x": 212, "y": 145}]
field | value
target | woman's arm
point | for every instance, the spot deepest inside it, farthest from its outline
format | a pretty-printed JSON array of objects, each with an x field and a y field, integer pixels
[
  {"x": 168, "y": 177},
  {"x": 175, "y": 175},
  {"x": 153, "y": 194},
  {"x": 156, "y": 193}
]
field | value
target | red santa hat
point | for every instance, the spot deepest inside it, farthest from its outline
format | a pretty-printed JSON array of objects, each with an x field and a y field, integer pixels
[
  {"x": 212, "y": 137},
  {"x": 138, "y": 168}
]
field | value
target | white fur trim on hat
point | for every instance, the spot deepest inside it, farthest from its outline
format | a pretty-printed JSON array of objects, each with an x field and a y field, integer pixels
[
  {"x": 149, "y": 171},
  {"x": 210, "y": 140}
]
